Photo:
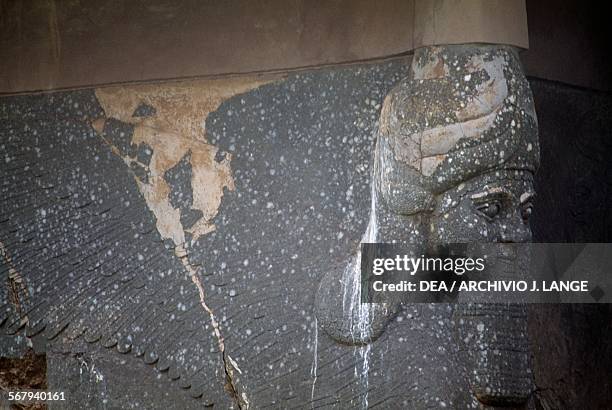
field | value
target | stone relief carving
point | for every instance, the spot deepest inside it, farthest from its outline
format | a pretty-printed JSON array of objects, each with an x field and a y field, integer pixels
[{"x": 456, "y": 152}]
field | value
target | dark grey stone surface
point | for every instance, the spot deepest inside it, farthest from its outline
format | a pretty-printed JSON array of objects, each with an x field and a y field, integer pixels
[
  {"x": 80, "y": 236},
  {"x": 144, "y": 153},
  {"x": 105, "y": 288},
  {"x": 179, "y": 180},
  {"x": 90, "y": 377},
  {"x": 144, "y": 110}
]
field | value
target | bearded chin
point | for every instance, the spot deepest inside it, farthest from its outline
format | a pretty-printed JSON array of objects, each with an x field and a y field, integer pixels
[{"x": 492, "y": 331}]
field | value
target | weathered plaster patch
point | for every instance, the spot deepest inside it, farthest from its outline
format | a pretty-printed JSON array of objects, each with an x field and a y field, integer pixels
[
  {"x": 432, "y": 67},
  {"x": 176, "y": 127},
  {"x": 208, "y": 180},
  {"x": 180, "y": 107},
  {"x": 173, "y": 129}
]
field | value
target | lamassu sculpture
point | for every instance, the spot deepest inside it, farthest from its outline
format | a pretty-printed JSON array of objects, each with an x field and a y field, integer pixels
[{"x": 454, "y": 162}]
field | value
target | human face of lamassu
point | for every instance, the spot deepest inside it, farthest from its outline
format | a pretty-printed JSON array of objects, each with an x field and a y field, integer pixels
[{"x": 492, "y": 207}]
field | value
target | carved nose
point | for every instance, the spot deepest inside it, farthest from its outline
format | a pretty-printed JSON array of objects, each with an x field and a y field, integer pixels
[{"x": 514, "y": 230}]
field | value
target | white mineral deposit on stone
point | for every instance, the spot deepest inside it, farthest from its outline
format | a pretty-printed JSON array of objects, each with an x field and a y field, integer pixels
[
  {"x": 361, "y": 329},
  {"x": 313, "y": 369}
]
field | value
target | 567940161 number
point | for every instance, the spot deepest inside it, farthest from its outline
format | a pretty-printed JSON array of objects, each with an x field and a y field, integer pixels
[{"x": 34, "y": 395}]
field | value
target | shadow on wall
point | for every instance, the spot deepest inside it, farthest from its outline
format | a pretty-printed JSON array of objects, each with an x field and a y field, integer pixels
[
  {"x": 574, "y": 182},
  {"x": 571, "y": 343}
]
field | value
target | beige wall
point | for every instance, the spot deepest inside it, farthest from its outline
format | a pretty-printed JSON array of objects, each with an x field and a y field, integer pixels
[
  {"x": 53, "y": 44},
  {"x": 470, "y": 21}
]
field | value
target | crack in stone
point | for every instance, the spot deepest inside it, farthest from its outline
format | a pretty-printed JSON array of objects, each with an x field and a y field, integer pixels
[
  {"x": 176, "y": 127},
  {"x": 229, "y": 365}
]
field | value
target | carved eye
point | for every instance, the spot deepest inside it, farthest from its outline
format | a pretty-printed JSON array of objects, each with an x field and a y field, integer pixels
[
  {"x": 526, "y": 211},
  {"x": 490, "y": 209}
]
